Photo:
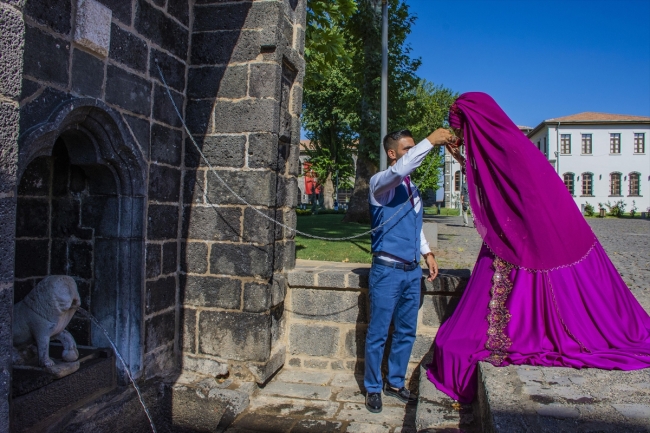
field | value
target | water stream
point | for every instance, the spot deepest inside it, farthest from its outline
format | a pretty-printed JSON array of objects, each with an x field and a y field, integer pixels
[{"x": 126, "y": 367}]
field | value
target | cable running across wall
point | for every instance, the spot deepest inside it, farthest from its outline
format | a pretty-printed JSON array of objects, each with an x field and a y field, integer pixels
[{"x": 241, "y": 199}]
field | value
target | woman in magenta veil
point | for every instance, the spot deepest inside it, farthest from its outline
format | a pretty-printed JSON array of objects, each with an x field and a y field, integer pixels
[{"x": 543, "y": 291}]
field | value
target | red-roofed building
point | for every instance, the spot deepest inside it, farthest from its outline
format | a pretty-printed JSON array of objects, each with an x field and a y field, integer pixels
[
  {"x": 307, "y": 181},
  {"x": 600, "y": 156}
]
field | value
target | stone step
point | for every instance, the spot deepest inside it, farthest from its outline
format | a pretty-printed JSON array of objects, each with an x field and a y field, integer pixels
[
  {"x": 54, "y": 398},
  {"x": 436, "y": 412},
  {"x": 553, "y": 399}
]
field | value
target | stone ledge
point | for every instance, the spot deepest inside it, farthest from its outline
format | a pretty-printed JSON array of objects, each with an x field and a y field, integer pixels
[
  {"x": 543, "y": 399},
  {"x": 328, "y": 311},
  {"x": 335, "y": 275}
]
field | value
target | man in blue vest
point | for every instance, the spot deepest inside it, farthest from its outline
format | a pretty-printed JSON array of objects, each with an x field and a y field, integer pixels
[{"x": 395, "y": 275}]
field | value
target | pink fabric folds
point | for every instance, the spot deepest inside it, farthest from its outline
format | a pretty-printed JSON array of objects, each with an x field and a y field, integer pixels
[
  {"x": 521, "y": 207},
  {"x": 576, "y": 316},
  {"x": 564, "y": 303}
]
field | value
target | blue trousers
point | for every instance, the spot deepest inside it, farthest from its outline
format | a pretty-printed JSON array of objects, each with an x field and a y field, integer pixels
[{"x": 394, "y": 294}]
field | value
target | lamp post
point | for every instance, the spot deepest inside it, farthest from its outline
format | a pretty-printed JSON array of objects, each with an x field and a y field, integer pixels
[{"x": 384, "y": 83}]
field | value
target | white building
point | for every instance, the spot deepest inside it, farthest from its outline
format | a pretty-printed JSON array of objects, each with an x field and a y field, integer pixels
[
  {"x": 453, "y": 178},
  {"x": 452, "y": 181},
  {"x": 601, "y": 157}
]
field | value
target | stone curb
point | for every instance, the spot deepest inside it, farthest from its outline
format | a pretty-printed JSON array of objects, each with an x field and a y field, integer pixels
[
  {"x": 542, "y": 399},
  {"x": 334, "y": 275}
]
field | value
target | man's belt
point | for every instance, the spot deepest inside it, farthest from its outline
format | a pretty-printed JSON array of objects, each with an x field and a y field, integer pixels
[{"x": 396, "y": 265}]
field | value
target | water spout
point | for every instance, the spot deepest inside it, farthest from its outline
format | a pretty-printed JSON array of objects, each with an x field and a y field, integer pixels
[{"x": 126, "y": 367}]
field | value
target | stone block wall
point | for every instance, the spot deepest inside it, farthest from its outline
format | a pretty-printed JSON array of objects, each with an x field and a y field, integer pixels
[
  {"x": 11, "y": 65},
  {"x": 244, "y": 102},
  {"x": 107, "y": 51},
  {"x": 328, "y": 312},
  {"x": 234, "y": 70},
  {"x": 114, "y": 192}
]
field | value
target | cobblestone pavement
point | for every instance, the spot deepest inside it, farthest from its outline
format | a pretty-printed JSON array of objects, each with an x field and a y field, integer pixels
[
  {"x": 627, "y": 242},
  {"x": 310, "y": 401}
]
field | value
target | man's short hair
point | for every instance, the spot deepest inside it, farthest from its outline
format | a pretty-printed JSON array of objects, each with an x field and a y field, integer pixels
[{"x": 392, "y": 138}]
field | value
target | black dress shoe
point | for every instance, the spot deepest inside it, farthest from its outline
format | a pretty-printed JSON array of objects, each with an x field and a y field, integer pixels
[
  {"x": 402, "y": 394},
  {"x": 373, "y": 402}
]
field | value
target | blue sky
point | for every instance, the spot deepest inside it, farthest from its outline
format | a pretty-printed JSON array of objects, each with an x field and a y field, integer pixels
[{"x": 539, "y": 58}]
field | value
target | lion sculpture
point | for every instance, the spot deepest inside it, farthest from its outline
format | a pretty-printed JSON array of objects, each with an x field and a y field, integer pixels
[{"x": 43, "y": 315}]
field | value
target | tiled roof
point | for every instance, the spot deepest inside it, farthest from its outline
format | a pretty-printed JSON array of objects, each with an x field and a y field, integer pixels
[{"x": 590, "y": 116}]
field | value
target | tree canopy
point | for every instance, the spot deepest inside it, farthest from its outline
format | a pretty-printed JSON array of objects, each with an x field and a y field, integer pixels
[{"x": 342, "y": 91}]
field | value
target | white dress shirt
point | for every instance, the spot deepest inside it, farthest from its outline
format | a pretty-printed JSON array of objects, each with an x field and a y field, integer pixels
[{"x": 383, "y": 184}]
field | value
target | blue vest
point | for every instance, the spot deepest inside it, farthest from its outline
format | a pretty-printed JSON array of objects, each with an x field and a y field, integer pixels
[{"x": 401, "y": 236}]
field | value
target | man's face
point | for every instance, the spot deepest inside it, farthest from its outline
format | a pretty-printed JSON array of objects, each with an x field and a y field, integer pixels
[{"x": 403, "y": 146}]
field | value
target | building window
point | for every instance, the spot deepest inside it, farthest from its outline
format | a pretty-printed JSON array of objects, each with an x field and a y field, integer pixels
[
  {"x": 568, "y": 181},
  {"x": 635, "y": 184},
  {"x": 587, "y": 184},
  {"x": 639, "y": 143},
  {"x": 544, "y": 151},
  {"x": 565, "y": 143},
  {"x": 457, "y": 181},
  {"x": 615, "y": 184},
  {"x": 586, "y": 144},
  {"x": 614, "y": 143}
]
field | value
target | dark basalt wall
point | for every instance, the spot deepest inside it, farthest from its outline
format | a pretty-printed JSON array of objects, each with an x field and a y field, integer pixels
[
  {"x": 11, "y": 65},
  {"x": 110, "y": 189}
]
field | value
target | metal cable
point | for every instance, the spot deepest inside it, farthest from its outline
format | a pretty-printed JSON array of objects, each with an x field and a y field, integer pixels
[{"x": 240, "y": 198}]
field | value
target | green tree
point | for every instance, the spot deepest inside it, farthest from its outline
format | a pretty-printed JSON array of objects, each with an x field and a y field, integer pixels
[
  {"x": 428, "y": 110},
  {"x": 341, "y": 100},
  {"x": 329, "y": 94},
  {"x": 364, "y": 29},
  {"x": 324, "y": 39}
]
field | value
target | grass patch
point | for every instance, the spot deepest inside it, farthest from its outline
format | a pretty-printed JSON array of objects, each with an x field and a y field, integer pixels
[
  {"x": 332, "y": 226},
  {"x": 608, "y": 216},
  {"x": 444, "y": 211}
]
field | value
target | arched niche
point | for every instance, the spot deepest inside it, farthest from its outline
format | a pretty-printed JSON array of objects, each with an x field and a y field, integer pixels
[{"x": 92, "y": 180}]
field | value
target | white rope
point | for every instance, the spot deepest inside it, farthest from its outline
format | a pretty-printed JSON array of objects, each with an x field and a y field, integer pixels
[{"x": 240, "y": 198}]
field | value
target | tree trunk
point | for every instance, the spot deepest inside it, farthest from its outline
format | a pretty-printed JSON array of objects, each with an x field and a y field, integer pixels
[
  {"x": 328, "y": 192},
  {"x": 358, "y": 209}
]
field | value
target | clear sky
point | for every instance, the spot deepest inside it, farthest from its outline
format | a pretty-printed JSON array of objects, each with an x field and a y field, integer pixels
[{"x": 539, "y": 59}]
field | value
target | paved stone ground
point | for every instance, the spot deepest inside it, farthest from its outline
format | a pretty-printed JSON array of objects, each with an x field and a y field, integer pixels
[
  {"x": 627, "y": 242},
  {"x": 305, "y": 401},
  {"x": 299, "y": 401}
]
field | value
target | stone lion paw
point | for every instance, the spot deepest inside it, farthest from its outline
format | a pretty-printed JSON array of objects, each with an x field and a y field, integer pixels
[
  {"x": 70, "y": 355},
  {"x": 47, "y": 362}
]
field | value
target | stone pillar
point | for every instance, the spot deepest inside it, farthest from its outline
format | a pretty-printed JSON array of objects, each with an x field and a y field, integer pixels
[
  {"x": 11, "y": 67},
  {"x": 244, "y": 100}
]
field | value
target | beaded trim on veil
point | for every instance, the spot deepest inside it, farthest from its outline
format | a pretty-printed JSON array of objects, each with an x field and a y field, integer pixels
[{"x": 498, "y": 342}]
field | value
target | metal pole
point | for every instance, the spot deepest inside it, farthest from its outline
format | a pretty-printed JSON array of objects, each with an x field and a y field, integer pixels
[{"x": 384, "y": 83}]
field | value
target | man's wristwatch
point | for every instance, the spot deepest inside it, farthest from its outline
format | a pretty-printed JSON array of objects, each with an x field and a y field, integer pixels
[{"x": 429, "y": 254}]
